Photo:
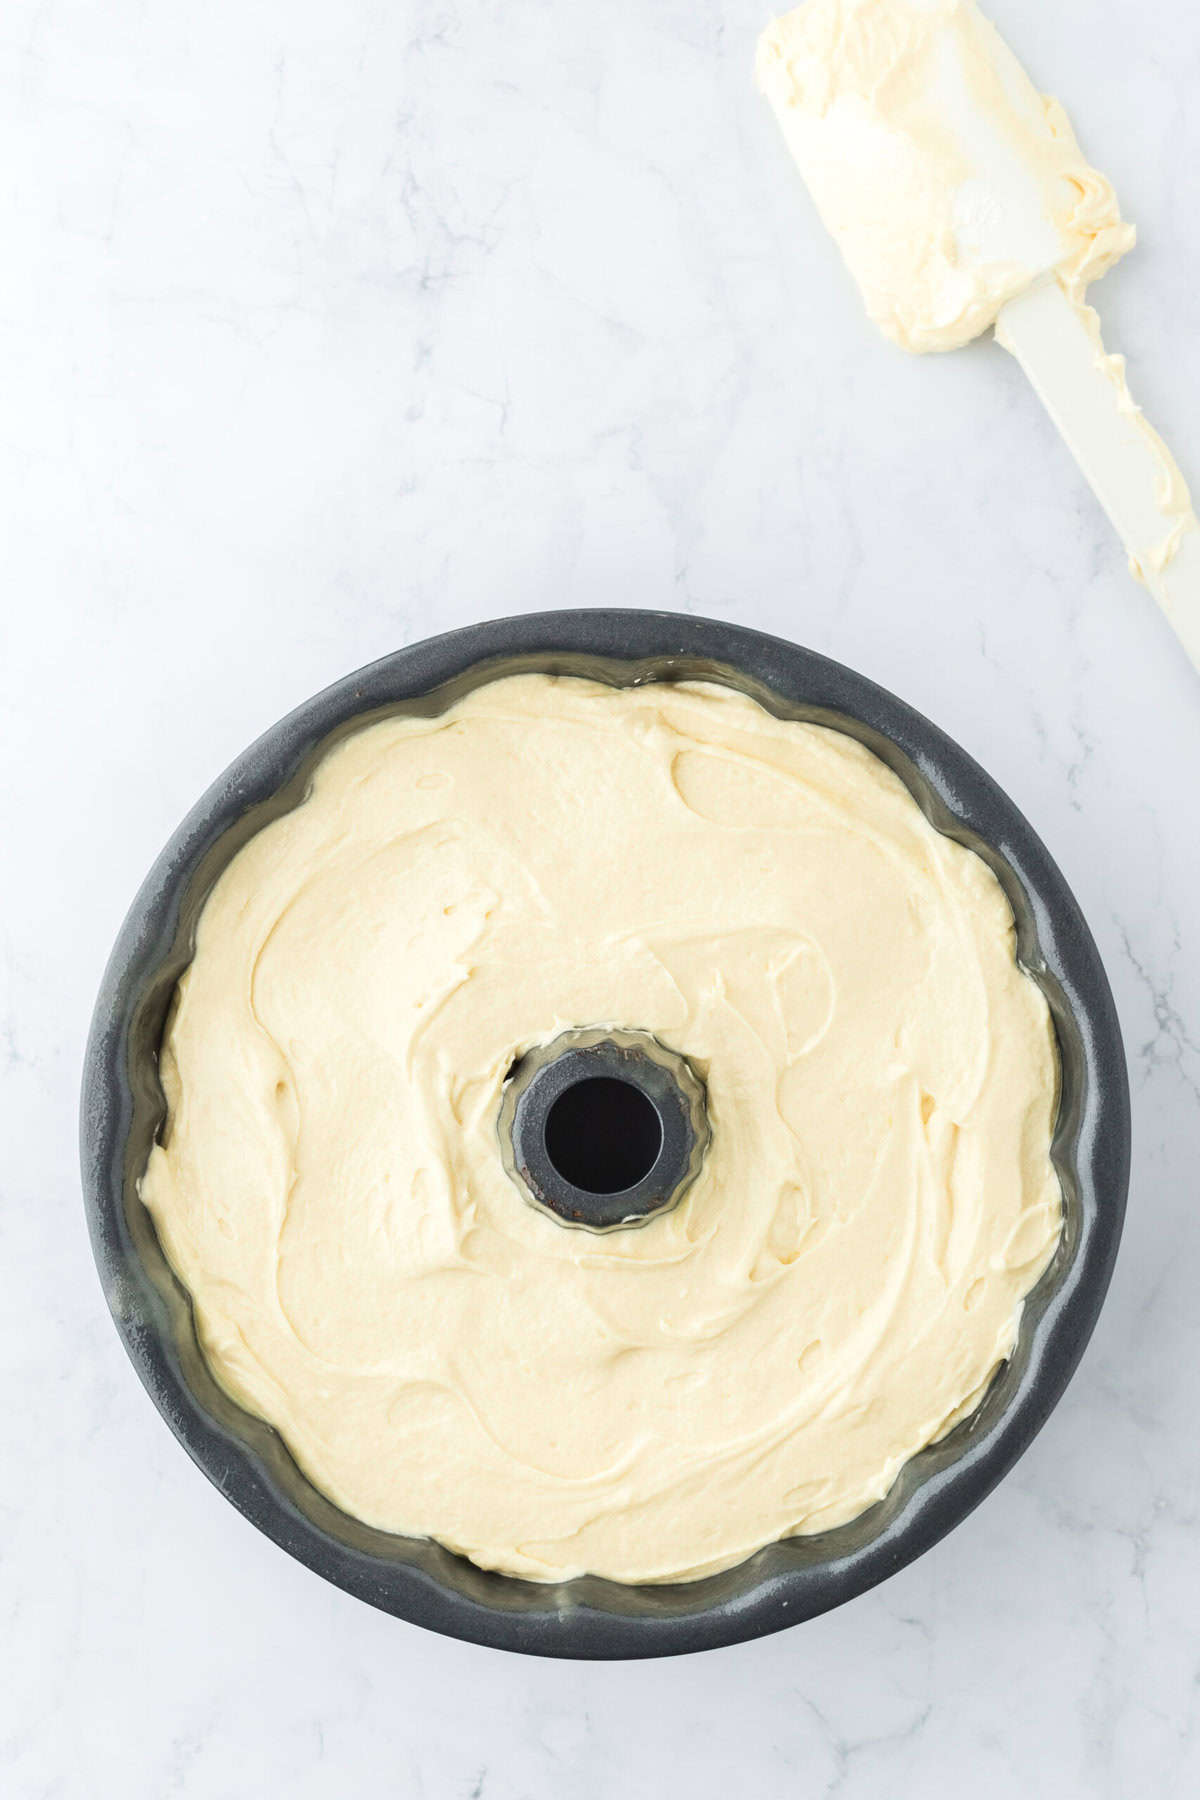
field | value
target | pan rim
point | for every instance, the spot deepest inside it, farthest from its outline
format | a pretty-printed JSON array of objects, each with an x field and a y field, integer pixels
[{"x": 784, "y": 1583}]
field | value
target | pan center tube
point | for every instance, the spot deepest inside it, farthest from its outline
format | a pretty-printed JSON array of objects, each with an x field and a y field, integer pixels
[{"x": 603, "y": 1128}]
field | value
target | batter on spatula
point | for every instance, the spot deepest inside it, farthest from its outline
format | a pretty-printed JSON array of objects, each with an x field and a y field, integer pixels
[{"x": 960, "y": 200}]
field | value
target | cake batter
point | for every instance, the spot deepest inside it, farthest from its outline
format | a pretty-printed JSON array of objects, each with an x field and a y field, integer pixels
[{"x": 840, "y": 1282}]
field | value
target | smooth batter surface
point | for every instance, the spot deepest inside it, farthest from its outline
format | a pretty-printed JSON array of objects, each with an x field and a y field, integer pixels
[{"x": 847, "y": 1270}]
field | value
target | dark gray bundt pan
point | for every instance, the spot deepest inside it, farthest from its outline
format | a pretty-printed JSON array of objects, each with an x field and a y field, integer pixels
[{"x": 787, "y": 1582}]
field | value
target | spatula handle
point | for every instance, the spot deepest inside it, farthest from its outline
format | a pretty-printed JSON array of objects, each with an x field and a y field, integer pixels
[{"x": 1129, "y": 468}]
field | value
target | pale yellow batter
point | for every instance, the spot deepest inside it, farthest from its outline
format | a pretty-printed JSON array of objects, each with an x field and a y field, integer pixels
[
  {"x": 927, "y": 150},
  {"x": 839, "y": 1283},
  {"x": 949, "y": 184}
]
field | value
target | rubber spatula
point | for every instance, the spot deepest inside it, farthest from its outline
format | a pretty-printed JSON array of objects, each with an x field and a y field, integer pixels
[{"x": 959, "y": 199}]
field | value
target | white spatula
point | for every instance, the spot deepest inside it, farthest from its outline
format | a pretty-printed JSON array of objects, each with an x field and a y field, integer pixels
[
  {"x": 1127, "y": 467},
  {"x": 960, "y": 199}
]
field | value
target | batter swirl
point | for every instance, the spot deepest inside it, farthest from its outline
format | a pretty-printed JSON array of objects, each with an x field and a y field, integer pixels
[{"x": 845, "y": 1274}]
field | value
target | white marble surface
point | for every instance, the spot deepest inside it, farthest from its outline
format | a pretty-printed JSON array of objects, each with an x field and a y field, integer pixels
[{"x": 328, "y": 323}]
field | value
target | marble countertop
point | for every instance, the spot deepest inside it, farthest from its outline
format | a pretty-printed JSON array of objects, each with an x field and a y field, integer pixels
[{"x": 325, "y": 324}]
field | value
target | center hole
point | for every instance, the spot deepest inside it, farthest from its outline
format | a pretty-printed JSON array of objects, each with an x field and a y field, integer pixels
[{"x": 603, "y": 1135}]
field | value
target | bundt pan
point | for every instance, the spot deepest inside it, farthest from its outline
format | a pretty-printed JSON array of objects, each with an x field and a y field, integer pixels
[{"x": 786, "y": 1582}]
